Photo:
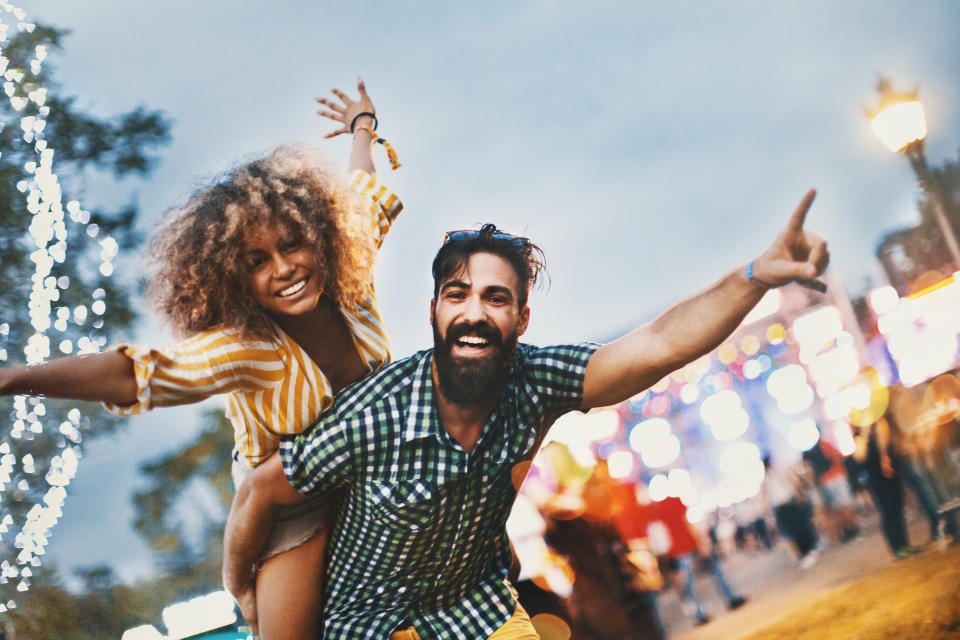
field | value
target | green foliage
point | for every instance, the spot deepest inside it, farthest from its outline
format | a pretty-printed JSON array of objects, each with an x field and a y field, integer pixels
[
  {"x": 119, "y": 145},
  {"x": 105, "y": 609},
  {"x": 203, "y": 464},
  {"x": 947, "y": 178}
]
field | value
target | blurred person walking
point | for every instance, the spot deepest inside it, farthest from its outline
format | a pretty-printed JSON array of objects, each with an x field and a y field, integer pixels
[
  {"x": 794, "y": 516},
  {"x": 830, "y": 478},
  {"x": 880, "y": 459},
  {"x": 685, "y": 545}
]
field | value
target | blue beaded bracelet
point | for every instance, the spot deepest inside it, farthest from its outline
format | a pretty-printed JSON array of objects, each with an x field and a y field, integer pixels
[{"x": 748, "y": 271}]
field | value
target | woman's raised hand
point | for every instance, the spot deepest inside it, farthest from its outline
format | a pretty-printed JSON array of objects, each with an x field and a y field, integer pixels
[{"x": 347, "y": 110}]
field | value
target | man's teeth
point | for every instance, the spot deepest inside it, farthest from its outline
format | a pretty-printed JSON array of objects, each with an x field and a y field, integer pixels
[
  {"x": 473, "y": 341},
  {"x": 292, "y": 289}
]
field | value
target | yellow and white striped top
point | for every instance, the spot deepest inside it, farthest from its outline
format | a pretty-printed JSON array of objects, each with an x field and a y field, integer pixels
[{"x": 273, "y": 388}]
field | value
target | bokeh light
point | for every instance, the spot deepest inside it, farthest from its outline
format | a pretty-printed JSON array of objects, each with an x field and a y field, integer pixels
[
  {"x": 724, "y": 413},
  {"x": 49, "y": 233},
  {"x": 818, "y": 328},
  {"x": 551, "y": 627},
  {"x": 655, "y": 443},
  {"x": 788, "y": 386},
  {"x": 621, "y": 464},
  {"x": 803, "y": 434},
  {"x": 658, "y": 488}
]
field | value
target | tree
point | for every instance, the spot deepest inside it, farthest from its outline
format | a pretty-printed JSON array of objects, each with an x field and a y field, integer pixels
[
  {"x": 918, "y": 256},
  {"x": 75, "y": 305},
  {"x": 202, "y": 470},
  {"x": 105, "y": 608}
]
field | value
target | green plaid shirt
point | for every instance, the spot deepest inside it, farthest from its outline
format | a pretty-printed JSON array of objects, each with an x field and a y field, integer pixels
[{"x": 420, "y": 537}]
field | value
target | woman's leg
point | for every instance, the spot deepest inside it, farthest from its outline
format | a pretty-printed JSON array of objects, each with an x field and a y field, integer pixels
[{"x": 290, "y": 591}]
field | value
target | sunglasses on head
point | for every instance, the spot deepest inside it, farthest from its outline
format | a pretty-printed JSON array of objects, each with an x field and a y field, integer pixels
[{"x": 468, "y": 234}]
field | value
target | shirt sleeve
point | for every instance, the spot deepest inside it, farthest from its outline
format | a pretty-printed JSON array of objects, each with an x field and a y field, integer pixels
[
  {"x": 553, "y": 376},
  {"x": 318, "y": 460},
  {"x": 208, "y": 364},
  {"x": 382, "y": 204}
]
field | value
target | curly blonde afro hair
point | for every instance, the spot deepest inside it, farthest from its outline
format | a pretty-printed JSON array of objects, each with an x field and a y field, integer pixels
[{"x": 202, "y": 275}]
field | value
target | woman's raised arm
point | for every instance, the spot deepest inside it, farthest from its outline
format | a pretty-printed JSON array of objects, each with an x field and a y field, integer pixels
[{"x": 355, "y": 116}]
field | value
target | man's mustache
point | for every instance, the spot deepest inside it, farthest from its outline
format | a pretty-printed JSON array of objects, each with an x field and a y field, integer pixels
[{"x": 480, "y": 329}]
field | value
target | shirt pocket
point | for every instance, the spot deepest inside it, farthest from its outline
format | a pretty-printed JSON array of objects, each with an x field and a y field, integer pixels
[{"x": 406, "y": 505}]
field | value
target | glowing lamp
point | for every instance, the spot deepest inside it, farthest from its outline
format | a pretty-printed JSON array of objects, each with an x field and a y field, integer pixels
[
  {"x": 899, "y": 120},
  {"x": 901, "y": 125}
]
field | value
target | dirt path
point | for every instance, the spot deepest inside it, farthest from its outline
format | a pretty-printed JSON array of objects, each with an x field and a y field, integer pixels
[{"x": 856, "y": 590}]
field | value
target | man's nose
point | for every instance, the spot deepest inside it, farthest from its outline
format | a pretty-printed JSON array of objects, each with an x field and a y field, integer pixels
[{"x": 473, "y": 309}]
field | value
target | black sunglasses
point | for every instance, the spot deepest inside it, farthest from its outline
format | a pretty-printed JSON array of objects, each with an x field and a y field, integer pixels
[{"x": 468, "y": 234}]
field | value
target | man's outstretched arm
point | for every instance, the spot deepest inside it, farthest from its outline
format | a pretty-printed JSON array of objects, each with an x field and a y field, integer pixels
[
  {"x": 699, "y": 324},
  {"x": 251, "y": 519}
]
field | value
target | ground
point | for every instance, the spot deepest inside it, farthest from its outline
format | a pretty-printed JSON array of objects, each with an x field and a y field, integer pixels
[{"x": 856, "y": 591}]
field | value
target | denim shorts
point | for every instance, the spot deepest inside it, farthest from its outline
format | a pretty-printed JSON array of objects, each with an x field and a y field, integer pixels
[{"x": 296, "y": 523}]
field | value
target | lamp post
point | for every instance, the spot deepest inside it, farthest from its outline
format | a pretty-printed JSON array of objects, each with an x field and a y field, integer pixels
[{"x": 899, "y": 122}]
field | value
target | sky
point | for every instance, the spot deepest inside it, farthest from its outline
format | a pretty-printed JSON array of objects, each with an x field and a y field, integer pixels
[{"x": 647, "y": 147}]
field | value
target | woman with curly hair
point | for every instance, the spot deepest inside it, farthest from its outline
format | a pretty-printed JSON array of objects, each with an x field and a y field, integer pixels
[{"x": 268, "y": 271}]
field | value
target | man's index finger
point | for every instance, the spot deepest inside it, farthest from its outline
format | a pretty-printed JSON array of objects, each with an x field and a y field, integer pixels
[{"x": 800, "y": 213}]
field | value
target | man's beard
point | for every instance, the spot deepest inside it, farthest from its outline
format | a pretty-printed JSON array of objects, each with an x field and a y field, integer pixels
[{"x": 473, "y": 382}]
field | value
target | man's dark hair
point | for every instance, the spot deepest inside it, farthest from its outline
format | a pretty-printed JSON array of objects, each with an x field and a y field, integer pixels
[{"x": 525, "y": 257}]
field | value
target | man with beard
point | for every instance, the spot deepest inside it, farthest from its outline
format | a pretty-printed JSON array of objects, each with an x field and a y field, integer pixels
[{"x": 425, "y": 448}]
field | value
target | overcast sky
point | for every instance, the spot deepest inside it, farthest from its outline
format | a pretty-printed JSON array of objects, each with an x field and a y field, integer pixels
[{"x": 646, "y": 147}]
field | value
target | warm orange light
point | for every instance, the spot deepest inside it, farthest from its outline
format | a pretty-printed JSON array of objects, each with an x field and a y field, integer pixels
[
  {"x": 749, "y": 345},
  {"x": 899, "y": 119},
  {"x": 727, "y": 353},
  {"x": 519, "y": 473},
  {"x": 550, "y": 627},
  {"x": 899, "y": 124},
  {"x": 776, "y": 333}
]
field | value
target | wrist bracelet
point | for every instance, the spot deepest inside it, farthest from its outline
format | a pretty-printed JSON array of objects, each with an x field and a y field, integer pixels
[
  {"x": 353, "y": 123},
  {"x": 748, "y": 271},
  {"x": 391, "y": 152}
]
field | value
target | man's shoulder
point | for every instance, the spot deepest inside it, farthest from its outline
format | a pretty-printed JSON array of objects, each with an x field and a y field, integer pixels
[
  {"x": 388, "y": 385},
  {"x": 575, "y": 354}
]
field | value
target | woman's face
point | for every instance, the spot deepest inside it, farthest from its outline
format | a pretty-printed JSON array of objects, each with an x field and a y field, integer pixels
[{"x": 283, "y": 274}]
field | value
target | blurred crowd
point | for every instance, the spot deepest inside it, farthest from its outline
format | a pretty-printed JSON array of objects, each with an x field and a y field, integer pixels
[{"x": 597, "y": 551}]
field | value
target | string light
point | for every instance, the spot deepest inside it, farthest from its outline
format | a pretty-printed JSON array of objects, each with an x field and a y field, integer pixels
[{"x": 49, "y": 232}]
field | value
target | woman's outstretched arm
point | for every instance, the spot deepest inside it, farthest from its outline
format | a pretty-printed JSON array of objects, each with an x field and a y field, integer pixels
[
  {"x": 347, "y": 113},
  {"x": 103, "y": 377}
]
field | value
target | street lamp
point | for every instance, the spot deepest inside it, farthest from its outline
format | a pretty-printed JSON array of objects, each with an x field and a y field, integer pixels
[{"x": 899, "y": 122}]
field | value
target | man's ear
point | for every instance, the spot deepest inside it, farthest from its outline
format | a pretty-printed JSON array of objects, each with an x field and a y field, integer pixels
[
  {"x": 524, "y": 320},
  {"x": 433, "y": 307}
]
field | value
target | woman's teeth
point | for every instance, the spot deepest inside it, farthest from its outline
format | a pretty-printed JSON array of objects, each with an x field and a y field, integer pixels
[{"x": 292, "y": 289}]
